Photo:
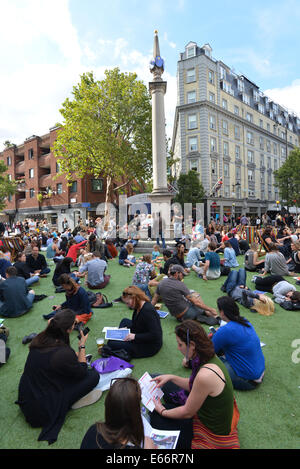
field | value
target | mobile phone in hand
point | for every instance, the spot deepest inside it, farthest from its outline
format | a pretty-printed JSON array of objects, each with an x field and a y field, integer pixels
[{"x": 85, "y": 331}]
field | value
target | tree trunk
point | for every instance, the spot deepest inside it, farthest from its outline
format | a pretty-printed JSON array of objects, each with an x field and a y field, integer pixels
[{"x": 107, "y": 202}]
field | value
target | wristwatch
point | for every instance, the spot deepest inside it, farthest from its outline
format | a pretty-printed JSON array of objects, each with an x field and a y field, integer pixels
[{"x": 81, "y": 346}]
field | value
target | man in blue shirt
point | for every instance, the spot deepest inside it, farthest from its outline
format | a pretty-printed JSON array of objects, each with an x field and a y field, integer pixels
[{"x": 95, "y": 269}]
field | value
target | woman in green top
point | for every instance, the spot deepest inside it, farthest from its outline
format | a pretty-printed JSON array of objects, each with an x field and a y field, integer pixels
[{"x": 207, "y": 396}]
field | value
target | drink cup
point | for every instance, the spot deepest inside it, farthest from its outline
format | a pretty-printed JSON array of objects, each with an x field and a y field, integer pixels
[{"x": 100, "y": 343}]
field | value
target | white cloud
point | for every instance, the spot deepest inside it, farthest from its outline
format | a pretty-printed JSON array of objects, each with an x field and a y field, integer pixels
[
  {"x": 288, "y": 96},
  {"x": 34, "y": 85}
]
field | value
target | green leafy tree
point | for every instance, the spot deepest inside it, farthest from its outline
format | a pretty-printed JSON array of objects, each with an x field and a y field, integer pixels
[
  {"x": 287, "y": 179},
  {"x": 190, "y": 189},
  {"x": 7, "y": 187},
  {"x": 107, "y": 130}
]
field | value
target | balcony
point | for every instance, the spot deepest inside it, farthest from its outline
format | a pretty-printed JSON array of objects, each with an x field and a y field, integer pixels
[
  {"x": 21, "y": 203},
  {"x": 45, "y": 161},
  {"x": 45, "y": 181},
  {"x": 20, "y": 167}
]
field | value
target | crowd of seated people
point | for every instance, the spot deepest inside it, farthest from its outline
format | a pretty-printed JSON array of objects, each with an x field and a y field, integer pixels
[{"x": 56, "y": 378}]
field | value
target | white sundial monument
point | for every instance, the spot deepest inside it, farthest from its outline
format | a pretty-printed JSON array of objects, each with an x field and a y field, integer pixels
[{"x": 160, "y": 197}]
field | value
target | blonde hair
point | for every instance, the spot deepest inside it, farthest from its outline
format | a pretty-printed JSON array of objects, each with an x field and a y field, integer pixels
[
  {"x": 88, "y": 257},
  {"x": 296, "y": 244},
  {"x": 265, "y": 309}
]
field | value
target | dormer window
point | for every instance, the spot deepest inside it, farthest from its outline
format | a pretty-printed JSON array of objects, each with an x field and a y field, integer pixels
[{"x": 191, "y": 52}]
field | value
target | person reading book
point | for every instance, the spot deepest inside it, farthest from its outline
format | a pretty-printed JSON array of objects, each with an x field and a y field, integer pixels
[
  {"x": 123, "y": 426},
  {"x": 145, "y": 338},
  {"x": 202, "y": 407}
]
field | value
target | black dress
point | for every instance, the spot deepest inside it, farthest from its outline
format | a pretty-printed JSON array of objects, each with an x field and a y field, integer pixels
[
  {"x": 53, "y": 379},
  {"x": 148, "y": 333}
]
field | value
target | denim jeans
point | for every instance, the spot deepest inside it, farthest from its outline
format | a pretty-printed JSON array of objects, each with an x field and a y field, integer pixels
[
  {"x": 238, "y": 383},
  {"x": 163, "y": 241},
  {"x": 235, "y": 279},
  {"x": 29, "y": 281},
  {"x": 144, "y": 288}
]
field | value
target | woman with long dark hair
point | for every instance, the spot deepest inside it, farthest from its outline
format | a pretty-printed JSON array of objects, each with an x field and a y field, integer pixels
[
  {"x": 202, "y": 407},
  {"x": 239, "y": 345},
  {"x": 55, "y": 378},
  {"x": 63, "y": 267},
  {"x": 123, "y": 425}
]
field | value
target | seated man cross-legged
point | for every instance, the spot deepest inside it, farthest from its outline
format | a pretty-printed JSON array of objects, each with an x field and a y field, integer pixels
[{"x": 182, "y": 303}]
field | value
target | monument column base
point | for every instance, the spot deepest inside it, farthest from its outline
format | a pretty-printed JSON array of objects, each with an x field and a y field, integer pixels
[{"x": 161, "y": 205}]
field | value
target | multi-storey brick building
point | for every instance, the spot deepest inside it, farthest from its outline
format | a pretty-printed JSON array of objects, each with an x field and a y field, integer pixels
[
  {"x": 225, "y": 127},
  {"x": 41, "y": 194}
]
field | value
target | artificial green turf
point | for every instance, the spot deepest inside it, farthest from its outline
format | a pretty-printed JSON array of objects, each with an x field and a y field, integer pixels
[{"x": 269, "y": 415}]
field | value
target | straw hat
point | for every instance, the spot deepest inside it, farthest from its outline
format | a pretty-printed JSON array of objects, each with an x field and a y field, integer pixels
[{"x": 265, "y": 309}]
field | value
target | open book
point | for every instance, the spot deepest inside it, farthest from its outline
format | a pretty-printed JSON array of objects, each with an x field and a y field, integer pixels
[
  {"x": 113, "y": 333},
  {"x": 150, "y": 391},
  {"x": 163, "y": 439}
]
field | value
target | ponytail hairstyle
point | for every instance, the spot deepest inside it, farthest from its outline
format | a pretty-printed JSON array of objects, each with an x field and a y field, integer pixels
[
  {"x": 191, "y": 331},
  {"x": 56, "y": 333},
  {"x": 231, "y": 310}
]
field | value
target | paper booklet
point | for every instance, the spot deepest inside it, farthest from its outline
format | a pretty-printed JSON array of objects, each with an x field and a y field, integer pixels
[
  {"x": 162, "y": 314},
  {"x": 112, "y": 333},
  {"x": 163, "y": 439},
  {"x": 150, "y": 391}
]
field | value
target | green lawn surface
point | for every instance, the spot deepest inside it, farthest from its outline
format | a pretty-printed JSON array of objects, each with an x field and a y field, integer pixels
[{"x": 269, "y": 415}]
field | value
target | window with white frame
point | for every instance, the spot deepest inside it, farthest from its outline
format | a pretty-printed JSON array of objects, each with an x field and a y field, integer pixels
[
  {"x": 250, "y": 154},
  {"x": 250, "y": 138},
  {"x": 246, "y": 99},
  {"x": 237, "y": 132},
  {"x": 249, "y": 117},
  {"x": 238, "y": 173},
  {"x": 192, "y": 121},
  {"x": 191, "y": 97},
  {"x": 268, "y": 146},
  {"x": 226, "y": 169},
  {"x": 214, "y": 167},
  {"x": 194, "y": 165},
  {"x": 31, "y": 173},
  {"x": 261, "y": 108},
  {"x": 212, "y": 122},
  {"x": 240, "y": 84},
  {"x": 226, "y": 190},
  {"x": 224, "y": 104},
  {"x": 191, "y": 52},
  {"x": 262, "y": 160},
  {"x": 261, "y": 143},
  {"x": 237, "y": 152},
  {"x": 213, "y": 144},
  {"x": 236, "y": 110},
  {"x": 222, "y": 73},
  {"x": 193, "y": 144},
  {"x": 211, "y": 97},
  {"x": 261, "y": 123},
  {"x": 282, "y": 152},
  {"x": 275, "y": 164},
  {"x": 225, "y": 127},
  {"x": 225, "y": 149},
  {"x": 275, "y": 148},
  {"x": 191, "y": 75},
  {"x": 211, "y": 77},
  {"x": 269, "y": 162}
]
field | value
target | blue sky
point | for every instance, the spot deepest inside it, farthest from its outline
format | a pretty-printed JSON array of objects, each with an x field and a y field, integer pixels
[{"x": 45, "y": 47}]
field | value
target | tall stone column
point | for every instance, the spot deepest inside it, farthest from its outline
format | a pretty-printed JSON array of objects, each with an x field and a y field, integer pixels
[{"x": 160, "y": 196}]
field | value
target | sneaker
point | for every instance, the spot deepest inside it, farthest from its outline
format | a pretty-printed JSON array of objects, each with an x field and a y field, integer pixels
[
  {"x": 209, "y": 320},
  {"x": 254, "y": 278},
  {"x": 28, "y": 338},
  {"x": 118, "y": 300},
  {"x": 89, "y": 399}
]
